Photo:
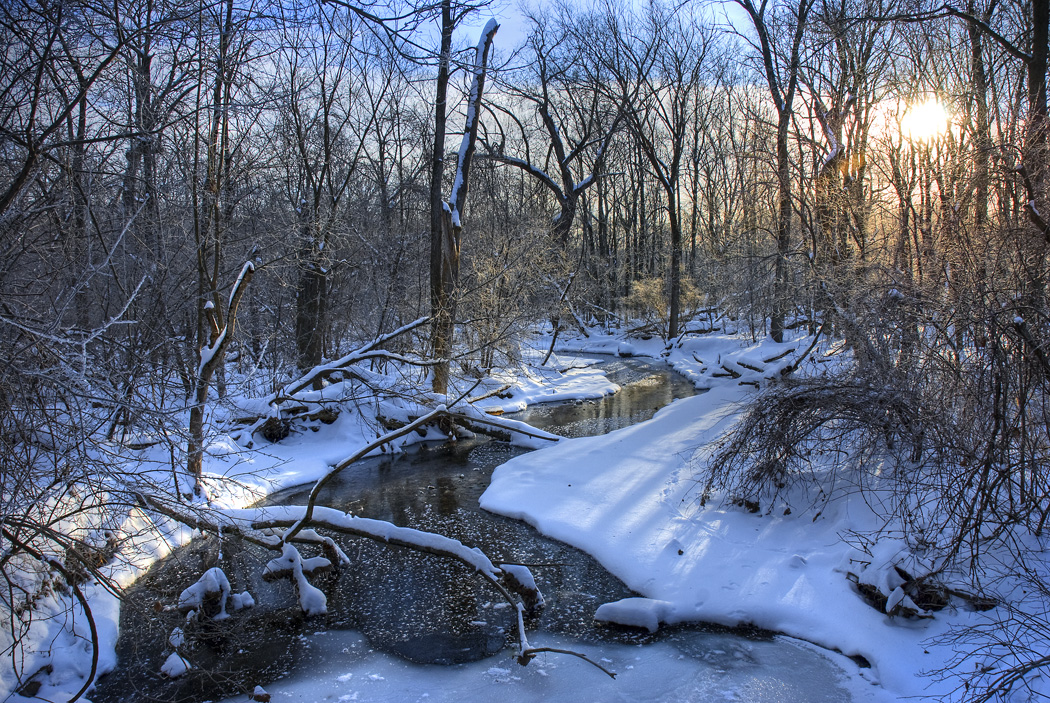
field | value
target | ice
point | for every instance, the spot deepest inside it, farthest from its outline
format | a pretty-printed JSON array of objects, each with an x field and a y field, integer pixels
[{"x": 685, "y": 668}]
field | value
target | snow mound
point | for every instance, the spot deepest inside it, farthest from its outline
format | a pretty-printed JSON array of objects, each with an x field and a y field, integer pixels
[
  {"x": 636, "y": 612},
  {"x": 175, "y": 666},
  {"x": 213, "y": 583}
]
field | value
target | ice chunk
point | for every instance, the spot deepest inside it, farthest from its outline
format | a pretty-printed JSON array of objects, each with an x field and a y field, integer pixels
[
  {"x": 636, "y": 612},
  {"x": 175, "y": 666}
]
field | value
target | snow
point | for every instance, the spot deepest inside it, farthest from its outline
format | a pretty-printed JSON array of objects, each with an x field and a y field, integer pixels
[
  {"x": 208, "y": 351},
  {"x": 459, "y": 183},
  {"x": 175, "y": 666},
  {"x": 335, "y": 519},
  {"x": 242, "y": 600},
  {"x": 632, "y": 504},
  {"x": 636, "y": 612},
  {"x": 582, "y": 185},
  {"x": 630, "y": 499},
  {"x": 566, "y": 376},
  {"x": 521, "y": 574},
  {"x": 312, "y": 601},
  {"x": 213, "y": 582}
]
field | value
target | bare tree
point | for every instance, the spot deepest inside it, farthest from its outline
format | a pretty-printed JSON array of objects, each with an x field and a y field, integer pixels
[
  {"x": 779, "y": 32},
  {"x": 445, "y": 261},
  {"x": 327, "y": 130},
  {"x": 658, "y": 75}
]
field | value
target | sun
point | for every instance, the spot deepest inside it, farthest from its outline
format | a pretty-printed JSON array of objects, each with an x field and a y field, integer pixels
[{"x": 925, "y": 121}]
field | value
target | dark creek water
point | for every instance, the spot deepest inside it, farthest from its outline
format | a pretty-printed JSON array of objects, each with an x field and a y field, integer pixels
[
  {"x": 420, "y": 608},
  {"x": 432, "y": 611}
]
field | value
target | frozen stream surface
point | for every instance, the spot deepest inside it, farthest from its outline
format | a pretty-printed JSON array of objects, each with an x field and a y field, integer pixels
[
  {"x": 407, "y": 627},
  {"x": 685, "y": 666}
]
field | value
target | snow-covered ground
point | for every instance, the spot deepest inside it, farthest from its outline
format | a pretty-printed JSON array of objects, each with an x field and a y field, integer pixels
[
  {"x": 238, "y": 476},
  {"x": 631, "y": 499},
  {"x": 628, "y": 498}
]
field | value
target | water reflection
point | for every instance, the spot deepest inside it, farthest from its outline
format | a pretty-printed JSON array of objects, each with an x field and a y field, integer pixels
[{"x": 645, "y": 390}]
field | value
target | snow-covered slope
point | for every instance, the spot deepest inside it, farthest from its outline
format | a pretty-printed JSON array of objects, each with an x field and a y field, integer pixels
[{"x": 631, "y": 499}]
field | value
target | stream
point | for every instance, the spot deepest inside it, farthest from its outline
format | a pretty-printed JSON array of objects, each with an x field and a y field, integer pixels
[{"x": 406, "y": 626}]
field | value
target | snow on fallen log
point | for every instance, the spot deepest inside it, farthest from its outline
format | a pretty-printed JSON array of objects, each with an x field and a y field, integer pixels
[
  {"x": 291, "y": 564},
  {"x": 213, "y": 584},
  {"x": 516, "y": 432},
  {"x": 518, "y": 578},
  {"x": 377, "y": 530}
]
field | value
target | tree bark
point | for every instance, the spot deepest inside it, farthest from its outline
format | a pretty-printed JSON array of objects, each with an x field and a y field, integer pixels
[
  {"x": 437, "y": 172},
  {"x": 445, "y": 292},
  {"x": 211, "y": 357}
]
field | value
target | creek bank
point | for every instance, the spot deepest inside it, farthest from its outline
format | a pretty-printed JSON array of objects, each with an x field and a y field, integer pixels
[
  {"x": 424, "y": 611},
  {"x": 419, "y": 608}
]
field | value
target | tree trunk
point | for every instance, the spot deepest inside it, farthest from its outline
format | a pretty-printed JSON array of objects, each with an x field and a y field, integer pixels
[
  {"x": 780, "y": 268},
  {"x": 675, "y": 272},
  {"x": 211, "y": 357},
  {"x": 311, "y": 305},
  {"x": 451, "y": 222},
  {"x": 438, "y": 304}
]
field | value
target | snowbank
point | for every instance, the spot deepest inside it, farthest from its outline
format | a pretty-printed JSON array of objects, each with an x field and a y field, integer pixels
[
  {"x": 566, "y": 376},
  {"x": 630, "y": 499}
]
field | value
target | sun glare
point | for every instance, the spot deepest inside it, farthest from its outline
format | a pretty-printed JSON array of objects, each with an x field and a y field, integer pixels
[{"x": 925, "y": 121}]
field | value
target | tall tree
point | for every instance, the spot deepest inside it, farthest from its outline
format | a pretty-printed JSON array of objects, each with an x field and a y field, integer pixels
[
  {"x": 445, "y": 287},
  {"x": 779, "y": 30},
  {"x": 658, "y": 76},
  {"x": 560, "y": 84},
  {"x": 326, "y": 132}
]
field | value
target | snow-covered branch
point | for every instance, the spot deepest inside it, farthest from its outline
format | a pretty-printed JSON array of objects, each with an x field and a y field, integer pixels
[
  {"x": 211, "y": 356},
  {"x": 363, "y": 353},
  {"x": 458, "y": 195}
]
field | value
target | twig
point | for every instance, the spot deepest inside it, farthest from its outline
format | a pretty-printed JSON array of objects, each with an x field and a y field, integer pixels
[
  {"x": 793, "y": 366},
  {"x": 71, "y": 580},
  {"x": 530, "y": 653}
]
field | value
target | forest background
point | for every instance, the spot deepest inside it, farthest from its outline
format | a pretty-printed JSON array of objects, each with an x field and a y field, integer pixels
[{"x": 872, "y": 175}]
